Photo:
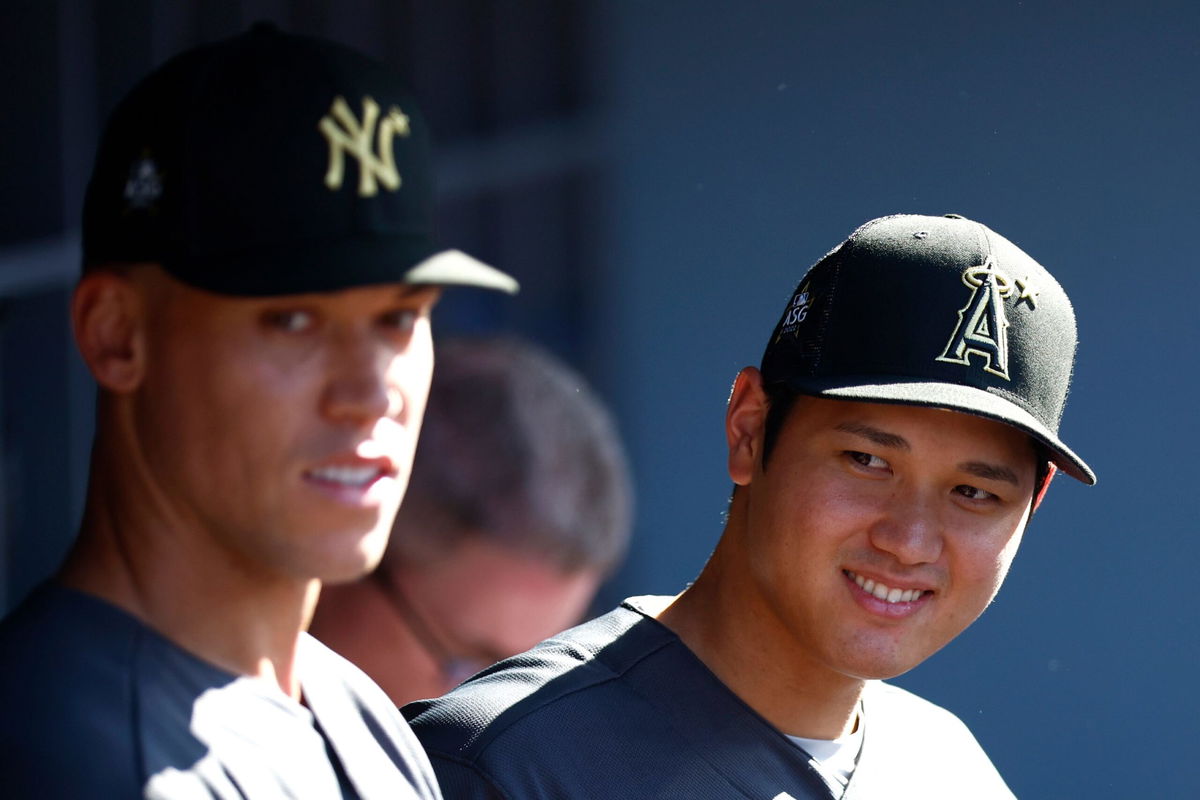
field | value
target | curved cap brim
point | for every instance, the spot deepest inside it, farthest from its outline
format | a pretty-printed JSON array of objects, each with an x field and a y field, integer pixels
[
  {"x": 954, "y": 397},
  {"x": 456, "y": 268}
]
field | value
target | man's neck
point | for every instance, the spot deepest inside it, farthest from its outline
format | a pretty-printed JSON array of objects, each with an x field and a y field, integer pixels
[
  {"x": 176, "y": 582},
  {"x": 797, "y": 696}
]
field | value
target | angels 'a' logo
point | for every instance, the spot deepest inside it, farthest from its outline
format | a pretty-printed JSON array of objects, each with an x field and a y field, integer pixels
[{"x": 982, "y": 325}]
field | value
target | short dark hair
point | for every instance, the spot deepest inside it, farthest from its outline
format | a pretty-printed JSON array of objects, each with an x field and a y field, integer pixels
[
  {"x": 515, "y": 449},
  {"x": 781, "y": 399}
]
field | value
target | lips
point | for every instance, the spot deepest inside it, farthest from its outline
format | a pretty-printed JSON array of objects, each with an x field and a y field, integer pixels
[
  {"x": 354, "y": 472},
  {"x": 888, "y": 594},
  {"x": 350, "y": 476}
]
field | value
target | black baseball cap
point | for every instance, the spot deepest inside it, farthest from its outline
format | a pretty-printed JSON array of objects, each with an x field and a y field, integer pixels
[
  {"x": 270, "y": 164},
  {"x": 933, "y": 311}
]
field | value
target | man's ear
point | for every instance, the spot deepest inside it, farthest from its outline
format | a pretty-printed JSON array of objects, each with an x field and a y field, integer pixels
[
  {"x": 744, "y": 421},
  {"x": 108, "y": 319}
]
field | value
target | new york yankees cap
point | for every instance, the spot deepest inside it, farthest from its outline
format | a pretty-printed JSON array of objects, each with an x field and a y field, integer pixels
[
  {"x": 270, "y": 164},
  {"x": 933, "y": 311}
]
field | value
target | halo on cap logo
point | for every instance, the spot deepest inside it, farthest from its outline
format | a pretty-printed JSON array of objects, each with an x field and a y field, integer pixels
[
  {"x": 347, "y": 136},
  {"x": 144, "y": 185},
  {"x": 982, "y": 328}
]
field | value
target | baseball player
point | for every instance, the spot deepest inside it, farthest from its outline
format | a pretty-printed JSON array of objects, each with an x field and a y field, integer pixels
[
  {"x": 886, "y": 455},
  {"x": 254, "y": 307}
]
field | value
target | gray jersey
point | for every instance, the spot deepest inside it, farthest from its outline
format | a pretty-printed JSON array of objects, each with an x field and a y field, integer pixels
[
  {"x": 95, "y": 704},
  {"x": 620, "y": 708}
]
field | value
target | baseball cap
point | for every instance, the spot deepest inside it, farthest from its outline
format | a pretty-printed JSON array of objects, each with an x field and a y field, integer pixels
[
  {"x": 933, "y": 311},
  {"x": 271, "y": 164}
]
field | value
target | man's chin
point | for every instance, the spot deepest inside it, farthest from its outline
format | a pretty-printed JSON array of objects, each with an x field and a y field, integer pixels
[
  {"x": 882, "y": 668},
  {"x": 356, "y": 560}
]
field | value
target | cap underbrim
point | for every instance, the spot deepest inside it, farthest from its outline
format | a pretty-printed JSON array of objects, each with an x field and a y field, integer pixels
[
  {"x": 955, "y": 398},
  {"x": 331, "y": 265},
  {"x": 456, "y": 268}
]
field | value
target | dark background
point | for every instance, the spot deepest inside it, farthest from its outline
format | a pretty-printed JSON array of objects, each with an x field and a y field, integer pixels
[{"x": 658, "y": 175}]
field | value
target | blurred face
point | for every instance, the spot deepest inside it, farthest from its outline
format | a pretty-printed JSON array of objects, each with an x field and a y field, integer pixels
[
  {"x": 877, "y": 533},
  {"x": 283, "y": 428},
  {"x": 419, "y": 631}
]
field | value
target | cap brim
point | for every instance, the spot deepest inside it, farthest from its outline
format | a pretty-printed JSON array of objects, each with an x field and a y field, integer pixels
[
  {"x": 331, "y": 265},
  {"x": 954, "y": 397},
  {"x": 456, "y": 268}
]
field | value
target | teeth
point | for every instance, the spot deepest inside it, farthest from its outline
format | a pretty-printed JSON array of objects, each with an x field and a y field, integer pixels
[
  {"x": 351, "y": 476},
  {"x": 886, "y": 593}
]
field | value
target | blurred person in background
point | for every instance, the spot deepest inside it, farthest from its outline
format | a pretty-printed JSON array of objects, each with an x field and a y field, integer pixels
[{"x": 518, "y": 507}]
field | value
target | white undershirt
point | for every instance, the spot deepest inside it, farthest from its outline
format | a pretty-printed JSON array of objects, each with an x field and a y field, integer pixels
[{"x": 836, "y": 757}]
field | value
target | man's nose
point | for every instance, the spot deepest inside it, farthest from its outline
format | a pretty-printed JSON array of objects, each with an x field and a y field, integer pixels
[
  {"x": 910, "y": 527},
  {"x": 358, "y": 391}
]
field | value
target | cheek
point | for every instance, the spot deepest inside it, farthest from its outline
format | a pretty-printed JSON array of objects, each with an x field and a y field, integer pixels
[
  {"x": 785, "y": 560},
  {"x": 987, "y": 565},
  {"x": 1004, "y": 561},
  {"x": 249, "y": 398},
  {"x": 410, "y": 374},
  {"x": 1013, "y": 533},
  {"x": 815, "y": 515},
  {"x": 233, "y": 404}
]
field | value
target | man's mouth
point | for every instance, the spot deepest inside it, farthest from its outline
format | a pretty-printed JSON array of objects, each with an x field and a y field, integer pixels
[
  {"x": 342, "y": 475},
  {"x": 888, "y": 594}
]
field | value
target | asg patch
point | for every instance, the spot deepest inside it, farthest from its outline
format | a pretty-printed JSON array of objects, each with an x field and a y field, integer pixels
[
  {"x": 982, "y": 328},
  {"x": 797, "y": 311},
  {"x": 143, "y": 186},
  {"x": 346, "y": 135}
]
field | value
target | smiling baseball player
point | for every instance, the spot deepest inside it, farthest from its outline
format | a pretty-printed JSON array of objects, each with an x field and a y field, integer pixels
[{"x": 886, "y": 455}]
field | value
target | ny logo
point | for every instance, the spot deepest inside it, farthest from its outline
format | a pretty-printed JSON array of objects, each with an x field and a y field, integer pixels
[
  {"x": 355, "y": 139},
  {"x": 982, "y": 326}
]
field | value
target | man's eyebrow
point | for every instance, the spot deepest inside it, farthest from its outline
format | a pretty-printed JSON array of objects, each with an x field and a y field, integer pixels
[
  {"x": 406, "y": 290},
  {"x": 991, "y": 472},
  {"x": 875, "y": 435},
  {"x": 980, "y": 469}
]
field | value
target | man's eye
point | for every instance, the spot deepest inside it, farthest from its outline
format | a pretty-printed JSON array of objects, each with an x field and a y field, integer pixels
[
  {"x": 973, "y": 492},
  {"x": 402, "y": 319},
  {"x": 867, "y": 460},
  {"x": 290, "y": 321}
]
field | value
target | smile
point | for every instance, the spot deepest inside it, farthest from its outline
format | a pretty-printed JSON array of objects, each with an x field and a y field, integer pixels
[
  {"x": 346, "y": 476},
  {"x": 884, "y": 592}
]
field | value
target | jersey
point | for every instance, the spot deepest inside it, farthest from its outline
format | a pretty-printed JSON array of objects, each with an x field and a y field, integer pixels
[
  {"x": 619, "y": 707},
  {"x": 93, "y": 703}
]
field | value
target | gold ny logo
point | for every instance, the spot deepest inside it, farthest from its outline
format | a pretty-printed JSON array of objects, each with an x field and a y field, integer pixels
[{"x": 355, "y": 139}]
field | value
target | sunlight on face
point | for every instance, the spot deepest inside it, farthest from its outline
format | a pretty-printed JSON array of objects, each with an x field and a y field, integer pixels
[
  {"x": 879, "y": 532},
  {"x": 283, "y": 428}
]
